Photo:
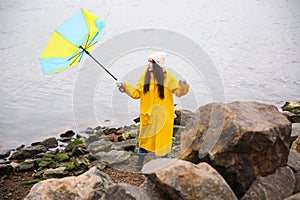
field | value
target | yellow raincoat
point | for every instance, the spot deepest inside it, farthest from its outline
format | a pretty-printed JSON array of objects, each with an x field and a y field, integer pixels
[{"x": 156, "y": 114}]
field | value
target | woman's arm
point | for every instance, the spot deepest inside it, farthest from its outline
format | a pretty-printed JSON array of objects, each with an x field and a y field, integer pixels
[{"x": 131, "y": 91}]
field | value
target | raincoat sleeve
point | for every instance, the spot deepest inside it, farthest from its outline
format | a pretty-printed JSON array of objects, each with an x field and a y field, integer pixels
[
  {"x": 174, "y": 86},
  {"x": 181, "y": 90},
  {"x": 134, "y": 92}
]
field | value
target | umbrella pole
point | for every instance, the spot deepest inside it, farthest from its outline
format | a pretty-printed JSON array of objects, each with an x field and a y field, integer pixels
[{"x": 98, "y": 63}]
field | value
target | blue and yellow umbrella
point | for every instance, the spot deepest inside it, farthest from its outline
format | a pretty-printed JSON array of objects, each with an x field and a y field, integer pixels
[{"x": 71, "y": 41}]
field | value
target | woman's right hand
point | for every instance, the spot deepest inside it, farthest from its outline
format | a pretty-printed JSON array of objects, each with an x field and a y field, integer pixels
[{"x": 121, "y": 86}]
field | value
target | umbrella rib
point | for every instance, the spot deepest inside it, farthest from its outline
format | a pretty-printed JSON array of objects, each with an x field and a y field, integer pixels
[{"x": 74, "y": 58}]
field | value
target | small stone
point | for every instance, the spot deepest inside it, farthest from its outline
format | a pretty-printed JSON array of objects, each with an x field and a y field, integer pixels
[
  {"x": 89, "y": 130},
  {"x": 20, "y": 147}
]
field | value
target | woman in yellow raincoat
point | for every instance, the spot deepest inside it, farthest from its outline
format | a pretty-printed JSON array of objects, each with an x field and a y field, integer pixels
[{"x": 154, "y": 89}]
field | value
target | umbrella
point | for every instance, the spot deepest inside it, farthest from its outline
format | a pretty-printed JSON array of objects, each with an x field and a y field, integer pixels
[{"x": 71, "y": 41}]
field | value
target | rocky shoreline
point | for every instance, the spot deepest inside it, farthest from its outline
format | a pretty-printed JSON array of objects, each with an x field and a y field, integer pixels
[{"x": 242, "y": 150}]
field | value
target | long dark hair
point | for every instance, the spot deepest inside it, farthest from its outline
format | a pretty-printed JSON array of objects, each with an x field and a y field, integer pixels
[{"x": 159, "y": 76}]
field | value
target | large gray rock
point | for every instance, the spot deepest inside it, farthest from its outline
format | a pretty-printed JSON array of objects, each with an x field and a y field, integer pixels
[
  {"x": 183, "y": 180},
  {"x": 113, "y": 157},
  {"x": 241, "y": 140},
  {"x": 99, "y": 145},
  {"x": 90, "y": 185},
  {"x": 273, "y": 187},
  {"x": 124, "y": 191},
  {"x": 28, "y": 152}
]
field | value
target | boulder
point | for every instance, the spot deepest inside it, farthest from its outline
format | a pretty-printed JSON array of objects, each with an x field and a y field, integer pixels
[
  {"x": 5, "y": 169},
  {"x": 272, "y": 187},
  {"x": 124, "y": 191},
  {"x": 183, "y": 117},
  {"x": 293, "y": 197},
  {"x": 90, "y": 185},
  {"x": 113, "y": 157},
  {"x": 153, "y": 191},
  {"x": 183, "y": 180},
  {"x": 241, "y": 140},
  {"x": 28, "y": 152}
]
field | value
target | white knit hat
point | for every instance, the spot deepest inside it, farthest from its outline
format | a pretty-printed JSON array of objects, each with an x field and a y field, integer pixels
[{"x": 159, "y": 57}]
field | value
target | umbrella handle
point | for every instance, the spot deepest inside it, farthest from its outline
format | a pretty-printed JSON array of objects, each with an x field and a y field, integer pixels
[{"x": 98, "y": 62}]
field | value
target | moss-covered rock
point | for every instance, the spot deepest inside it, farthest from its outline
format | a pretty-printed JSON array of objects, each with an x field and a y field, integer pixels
[
  {"x": 74, "y": 144},
  {"x": 78, "y": 151},
  {"x": 26, "y": 166},
  {"x": 61, "y": 157},
  {"x": 107, "y": 131},
  {"x": 70, "y": 166},
  {"x": 46, "y": 162},
  {"x": 293, "y": 107}
]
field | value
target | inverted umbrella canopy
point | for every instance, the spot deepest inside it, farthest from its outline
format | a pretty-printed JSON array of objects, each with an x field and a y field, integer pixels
[{"x": 71, "y": 41}]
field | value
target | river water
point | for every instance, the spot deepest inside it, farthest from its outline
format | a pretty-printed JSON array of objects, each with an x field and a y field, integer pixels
[{"x": 253, "y": 45}]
